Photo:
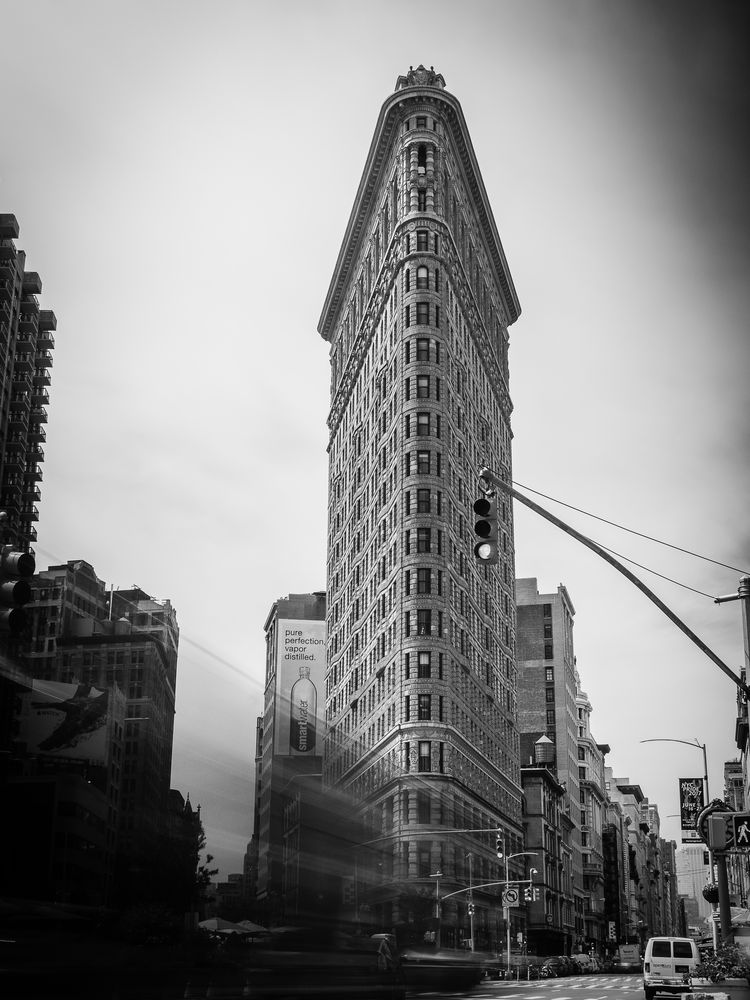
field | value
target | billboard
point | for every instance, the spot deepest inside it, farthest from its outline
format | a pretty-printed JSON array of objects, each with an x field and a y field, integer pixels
[
  {"x": 691, "y": 806},
  {"x": 65, "y": 720},
  {"x": 300, "y": 692}
]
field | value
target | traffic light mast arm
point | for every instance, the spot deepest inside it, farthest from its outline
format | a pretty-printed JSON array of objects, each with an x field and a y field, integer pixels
[
  {"x": 484, "y": 885},
  {"x": 494, "y": 480}
]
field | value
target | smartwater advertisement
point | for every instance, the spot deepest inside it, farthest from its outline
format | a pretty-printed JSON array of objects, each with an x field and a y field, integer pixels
[{"x": 300, "y": 672}]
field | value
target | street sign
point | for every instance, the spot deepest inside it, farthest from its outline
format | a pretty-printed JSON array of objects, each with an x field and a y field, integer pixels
[
  {"x": 510, "y": 896},
  {"x": 741, "y": 828}
]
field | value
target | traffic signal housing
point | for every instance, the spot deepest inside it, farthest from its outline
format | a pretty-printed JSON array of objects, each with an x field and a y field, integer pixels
[
  {"x": 485, "y": 528},
  {"x": 499, "y": 844},
  {"x": 528, "y": 894},
  {"x": 16, "y": 569}
]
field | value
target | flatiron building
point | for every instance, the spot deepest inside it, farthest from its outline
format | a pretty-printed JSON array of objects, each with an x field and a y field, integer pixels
[{"x": 420, "y": 689}]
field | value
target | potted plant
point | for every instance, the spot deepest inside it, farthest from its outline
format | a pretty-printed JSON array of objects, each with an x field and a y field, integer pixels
[{"x": 728, "y": 968}]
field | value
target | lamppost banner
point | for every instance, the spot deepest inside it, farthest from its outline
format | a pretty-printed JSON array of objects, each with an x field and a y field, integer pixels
[{"x": 691, "y": 805}]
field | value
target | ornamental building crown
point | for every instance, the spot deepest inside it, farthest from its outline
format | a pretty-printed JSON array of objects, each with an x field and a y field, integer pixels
[{"x": 421, "y": 77}]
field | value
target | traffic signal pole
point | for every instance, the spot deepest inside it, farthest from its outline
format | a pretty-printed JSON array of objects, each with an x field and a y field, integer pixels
[{"x": 489, "y": 477}]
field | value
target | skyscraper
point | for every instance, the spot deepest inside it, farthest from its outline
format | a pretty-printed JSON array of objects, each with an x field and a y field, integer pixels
[
  {"x": 26, "y": 344},
  {"x": 420, "y": 692}
]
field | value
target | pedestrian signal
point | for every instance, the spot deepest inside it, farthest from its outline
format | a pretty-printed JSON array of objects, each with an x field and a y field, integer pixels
[{"x": 741, "y": 829}]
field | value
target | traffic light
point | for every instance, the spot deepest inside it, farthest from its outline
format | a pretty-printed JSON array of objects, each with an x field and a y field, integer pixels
[
  {"x": 535, "y": 894},
  {"x": 15, "y": 570},
  {"x": 499, "y": 844},
  {"x": 528, "y": 893},
  {"x": 485, "y": 528}
]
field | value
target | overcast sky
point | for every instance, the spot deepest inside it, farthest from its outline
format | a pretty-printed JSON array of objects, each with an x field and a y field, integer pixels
[{"x": 182, "y": 174}]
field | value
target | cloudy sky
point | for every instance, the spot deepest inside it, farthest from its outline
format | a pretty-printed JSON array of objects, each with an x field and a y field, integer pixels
[{"x": 182, "y": 173}]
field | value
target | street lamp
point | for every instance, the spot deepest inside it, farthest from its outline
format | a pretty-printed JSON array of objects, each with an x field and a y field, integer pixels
[
  {"x": 437, "y": 876},
  {"x": 700, "y": 746},
  {"x": 470, "y": 856},
  {"x": 507, "y": 858}
]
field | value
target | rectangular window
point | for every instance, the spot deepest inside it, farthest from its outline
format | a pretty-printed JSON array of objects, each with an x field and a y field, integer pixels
[
  {"x": 424, "y": 621},
  {"x": 550, "y": 711},
  {"x": 423, "y": 501},
  {"x": 423, "y": 424},
  {"x": 424, "y": 581},
  {"x": 422, "y": 240},
  {"x": 421, "y": 201},
  {"x": 407, "y": 502},
  {"x": 423, "y": 807},
  {"x": 424, "y": 539},
  {"x": 423, "y": 349},
  {"x": 407, "y": 425},
  {"x": 547, "y": 610},
  {"x": 548, "y": 651},
  {"x": 421, "y": 121},
  {"x": 407, "y": 708},
  {"x": 423, "y": 463},
  {"x": 407, "y": 581},
  {"x": 425, "y": 755},
  {"x": 407, "y": 317},
  {"x": 581, "y": 753},
  {"x": 548, "y": 672},
  {"x": 423, "y": 313},
  {"x": 547, "y": 631},
  {"x": 424, "y": 858},
  {"x": 424, "y": 707},
  {"x": 407, "y": 622},
  {"x": 407, "y": 758},
  {"x": 549, "y": 693},
  {"x": 424, "y": 664},
  {"x": 582, "y": 773},
  {"x": 423, "y": 386}
]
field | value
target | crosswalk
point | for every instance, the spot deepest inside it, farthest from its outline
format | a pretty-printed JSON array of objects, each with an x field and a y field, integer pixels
[
  {"x": 596, "y": 987},
  {"x": 567, "y": 988}
]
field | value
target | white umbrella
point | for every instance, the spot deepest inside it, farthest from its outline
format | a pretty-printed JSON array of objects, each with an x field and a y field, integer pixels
[
  {"x": 251, "y": 928},
  {"x": 220, "y": 926}
]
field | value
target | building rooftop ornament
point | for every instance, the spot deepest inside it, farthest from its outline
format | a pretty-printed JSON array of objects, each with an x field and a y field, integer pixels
[{"x": 421, "y": 77}]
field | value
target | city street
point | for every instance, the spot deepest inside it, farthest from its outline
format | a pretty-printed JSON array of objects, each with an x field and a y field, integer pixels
[{"x": 596, "y": 987}]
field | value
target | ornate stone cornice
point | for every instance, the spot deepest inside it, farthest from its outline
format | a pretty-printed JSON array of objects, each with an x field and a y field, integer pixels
[{"x": 387, "y": 130}]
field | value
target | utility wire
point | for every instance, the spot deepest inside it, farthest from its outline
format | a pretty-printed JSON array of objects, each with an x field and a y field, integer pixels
[
  {"x": 660, "y": 575},
  {"x": 632, "y": 532}
]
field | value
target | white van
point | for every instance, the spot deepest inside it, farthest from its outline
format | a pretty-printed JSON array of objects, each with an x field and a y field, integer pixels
[{"x": 668, "y": 965}]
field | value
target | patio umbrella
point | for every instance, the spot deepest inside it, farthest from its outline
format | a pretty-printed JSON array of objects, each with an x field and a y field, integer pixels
[
  {"x": 251, "y": 928},
  {"x": 218, "y": 925}
]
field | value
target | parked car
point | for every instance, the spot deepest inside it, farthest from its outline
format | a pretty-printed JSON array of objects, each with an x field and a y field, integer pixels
[
  {"x": 586, "y": 962},
  {"x": 556, "y": 967}
]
